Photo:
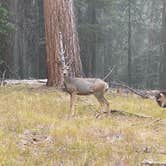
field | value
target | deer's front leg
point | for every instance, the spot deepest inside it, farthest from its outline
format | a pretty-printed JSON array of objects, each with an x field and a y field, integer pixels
[{"x": 72, "y": 100}]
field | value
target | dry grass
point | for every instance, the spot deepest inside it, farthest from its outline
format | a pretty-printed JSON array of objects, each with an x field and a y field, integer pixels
[{"x": 35, "y": 130}]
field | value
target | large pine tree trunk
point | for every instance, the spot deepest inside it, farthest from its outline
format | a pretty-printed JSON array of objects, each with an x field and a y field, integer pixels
[
  {"x": 129, "y": 44},
  {"x": 91, "y": 11},
  {"x": 88, "y": 38},
  {"x": 26, "y": 46},
  {"x": 59, "y": 17},
  {"x": 163, "y": 56}
]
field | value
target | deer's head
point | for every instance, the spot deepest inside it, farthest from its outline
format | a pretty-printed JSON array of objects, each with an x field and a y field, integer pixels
[
  {"x": 66, "y": 71},
  {"x": 67, "y": 68}
]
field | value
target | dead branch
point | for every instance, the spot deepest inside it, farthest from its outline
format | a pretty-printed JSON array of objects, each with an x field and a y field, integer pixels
[
  {"x": 145, "y": 96},
  {"x": 109, "y": 74},
  {"x": 158, "y": 96},
  {"x": 130, "y": 114},
  {"x": 8, "y": 69},
  {"x": 123, "y": 113},
  {"x": 3, "y": 78},
  {"x": 152, "y": 163},
  {"x": 153, "y": 122}
]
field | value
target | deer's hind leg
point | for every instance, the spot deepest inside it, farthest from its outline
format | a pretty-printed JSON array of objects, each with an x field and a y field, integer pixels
[{"x": 103, "y": 102}]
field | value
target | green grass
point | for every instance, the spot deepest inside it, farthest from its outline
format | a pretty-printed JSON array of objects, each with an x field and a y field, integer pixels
[{"x": 79, "y": 141}]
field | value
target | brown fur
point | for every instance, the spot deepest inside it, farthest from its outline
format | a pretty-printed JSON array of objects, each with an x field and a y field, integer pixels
[{"x": 161, "y": 99}]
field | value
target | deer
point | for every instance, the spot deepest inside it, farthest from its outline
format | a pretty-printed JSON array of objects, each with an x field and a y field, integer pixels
[
  {"x": 85, "y": 86},
  {"x": 81, "y": 86},
  {"x": 161, "y": 99}
]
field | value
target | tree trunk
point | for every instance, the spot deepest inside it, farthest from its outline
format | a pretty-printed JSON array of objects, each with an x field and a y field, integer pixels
[
  {"x": 59, "y": 17},
  {"x": 129, "y": 42},
  {"x": 163, "y": 55},
  {"x": 93, "y": 21},
  {"x": 26, "y": 46}
]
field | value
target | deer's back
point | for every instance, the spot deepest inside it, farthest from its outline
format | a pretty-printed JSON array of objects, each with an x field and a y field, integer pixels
[{"x": 86, "y": 86}]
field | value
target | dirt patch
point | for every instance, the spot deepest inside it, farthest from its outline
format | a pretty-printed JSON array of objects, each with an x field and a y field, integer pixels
[{"x": 35, "y": 141}]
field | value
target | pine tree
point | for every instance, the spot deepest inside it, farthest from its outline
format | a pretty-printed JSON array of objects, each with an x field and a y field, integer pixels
[{"x": 59, "y": 18}]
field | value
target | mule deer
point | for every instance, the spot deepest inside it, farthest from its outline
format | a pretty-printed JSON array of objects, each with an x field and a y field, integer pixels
[
  {"x": 85, "y": 86},
  {"x": 161, "y": 99}
]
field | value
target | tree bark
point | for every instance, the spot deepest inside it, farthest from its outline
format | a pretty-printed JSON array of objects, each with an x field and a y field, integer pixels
[
  {"x": 59, "y": 17},
  {"x": 26, "y": 44},
  {"x": 163, "y": 54}
]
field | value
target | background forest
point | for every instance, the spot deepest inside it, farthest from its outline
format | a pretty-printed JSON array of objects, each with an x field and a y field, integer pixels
[
  {"x": 37, "y": 123},
  {"x": 127, "y": 34}
]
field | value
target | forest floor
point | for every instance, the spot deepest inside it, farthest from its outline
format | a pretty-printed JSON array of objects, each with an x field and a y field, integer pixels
[{"x": 35, "y": 130}]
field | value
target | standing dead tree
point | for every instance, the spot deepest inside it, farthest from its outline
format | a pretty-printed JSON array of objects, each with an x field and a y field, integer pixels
[{"x": 59, "y": 18}]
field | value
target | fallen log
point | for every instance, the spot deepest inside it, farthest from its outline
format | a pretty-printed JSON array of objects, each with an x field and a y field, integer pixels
[
  {"x": 139, "y": 93},
  {"x": 158, "y": 96},
  {"x": 26, "y": 81}
]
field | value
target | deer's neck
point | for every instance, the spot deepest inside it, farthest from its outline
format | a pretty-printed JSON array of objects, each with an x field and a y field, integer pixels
[
  {"x": 67, "y": 80},
  {"x": 68, "y": 84}
]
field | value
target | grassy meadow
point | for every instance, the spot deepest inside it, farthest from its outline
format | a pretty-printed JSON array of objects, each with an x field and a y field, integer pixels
[{"x": 35, "y": 130}]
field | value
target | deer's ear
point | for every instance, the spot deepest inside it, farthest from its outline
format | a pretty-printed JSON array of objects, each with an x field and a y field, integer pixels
[{"x": 161, "y": 94}]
